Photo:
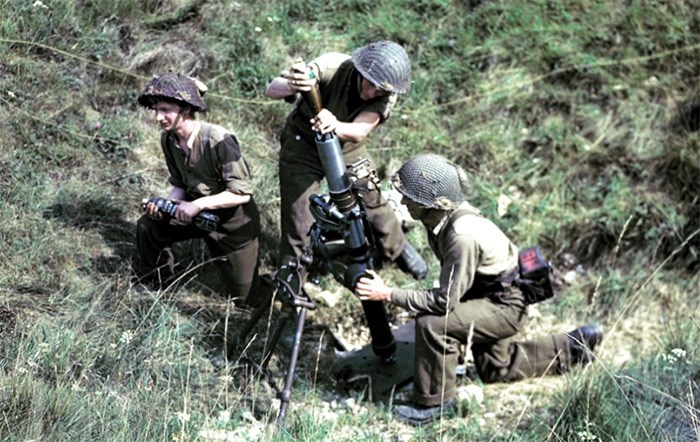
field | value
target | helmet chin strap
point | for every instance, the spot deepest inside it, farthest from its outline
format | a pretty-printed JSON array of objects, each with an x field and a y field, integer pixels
[{"x": 177, "y": 121}]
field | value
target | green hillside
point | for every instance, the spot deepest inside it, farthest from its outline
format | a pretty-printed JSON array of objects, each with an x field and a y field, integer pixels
[{"x": 578, "y": 122}]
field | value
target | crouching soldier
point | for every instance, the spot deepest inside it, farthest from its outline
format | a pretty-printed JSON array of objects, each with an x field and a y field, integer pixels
[
  {"x": 471, "y": 301},
  {"x": 208, "y": 174}
]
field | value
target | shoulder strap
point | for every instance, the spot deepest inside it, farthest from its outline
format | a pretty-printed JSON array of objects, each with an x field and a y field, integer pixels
[
  {"x": 463, "y": 211},
  {"x": 206, "y": 133},
  {"x": 460, "y": 212}
]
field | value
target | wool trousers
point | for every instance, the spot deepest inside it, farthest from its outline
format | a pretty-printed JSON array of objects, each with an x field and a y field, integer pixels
[
  {"x": 301, "y": 173},
  {"x": 236, "y": 261},
  {"x": 488, "y": 323}
]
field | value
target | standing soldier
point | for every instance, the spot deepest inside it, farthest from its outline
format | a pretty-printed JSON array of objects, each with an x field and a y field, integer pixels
[
  {"x": 474, "y": 299},
  {"x": 358, "y": 93},
  {"x": 208, "y": 173}
]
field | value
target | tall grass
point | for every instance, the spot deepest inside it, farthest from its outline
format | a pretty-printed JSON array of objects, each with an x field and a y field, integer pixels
[
  {"x": 651, "y": 398},
  {"x": 581, "y": 119}
]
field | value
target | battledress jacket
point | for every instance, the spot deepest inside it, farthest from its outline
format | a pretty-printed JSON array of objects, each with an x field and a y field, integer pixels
[
  {"x": 337, "y": 80},
  {"x": 214, "y": 164},
  {"x": 469, "y": 247},
  {"x": 301, "y": 169}
]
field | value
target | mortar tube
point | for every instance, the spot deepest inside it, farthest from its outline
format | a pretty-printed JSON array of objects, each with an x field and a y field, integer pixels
[{"x": 333, "y": 163}]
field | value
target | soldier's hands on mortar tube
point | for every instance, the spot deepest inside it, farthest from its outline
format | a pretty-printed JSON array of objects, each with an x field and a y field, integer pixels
[
  {"x": 372, "y": 288},
  {"x": 324, "y": 122}
]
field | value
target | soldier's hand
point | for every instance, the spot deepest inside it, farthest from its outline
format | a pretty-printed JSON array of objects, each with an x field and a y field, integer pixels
[
  {"x": 153, "y": 212},
  {"x": 186, "y": 210},
  {"x": 372, "y": 288},
  {"x": 300, "y": 77},
  {"x": 324, "y": 122}
]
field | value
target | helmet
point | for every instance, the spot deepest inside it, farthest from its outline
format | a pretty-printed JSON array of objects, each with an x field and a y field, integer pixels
[
  {"x": 174, "y": 87},
  {"x": 432, "y": 181},
  {"x": 385, "y": 64}
]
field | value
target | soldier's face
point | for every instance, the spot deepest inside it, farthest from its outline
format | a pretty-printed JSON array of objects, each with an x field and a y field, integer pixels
[
  {"x": 414, "y": 209},
  {"x": 368, "y": 90},
  {"x": 166, "y": 115}
]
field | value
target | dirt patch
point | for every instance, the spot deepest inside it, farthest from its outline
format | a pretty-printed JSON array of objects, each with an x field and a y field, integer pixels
[{"x": 8, "y": 320}]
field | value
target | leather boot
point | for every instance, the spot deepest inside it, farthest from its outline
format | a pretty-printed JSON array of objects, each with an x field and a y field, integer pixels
[
  {"x": 411, "y": 262},
  {"x": 418, "y": 415},
  {"x": 582, "y": 343}
]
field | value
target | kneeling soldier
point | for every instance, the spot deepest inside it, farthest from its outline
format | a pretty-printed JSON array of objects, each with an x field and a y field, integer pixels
[
  {"x": 208, "y": 173},
  {"x": 475, "y": 256}
]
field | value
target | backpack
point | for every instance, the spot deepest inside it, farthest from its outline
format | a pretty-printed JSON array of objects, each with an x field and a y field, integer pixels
[{"x": 534, "y": 275}]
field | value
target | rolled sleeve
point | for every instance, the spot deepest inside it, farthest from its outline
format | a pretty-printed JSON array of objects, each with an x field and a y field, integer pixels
[
  {"x": 234, "y": 170},
  {"x": 456, "y": 278}
]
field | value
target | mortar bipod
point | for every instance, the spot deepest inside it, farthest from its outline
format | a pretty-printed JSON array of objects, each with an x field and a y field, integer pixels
[{"x": 285, "y": 285}]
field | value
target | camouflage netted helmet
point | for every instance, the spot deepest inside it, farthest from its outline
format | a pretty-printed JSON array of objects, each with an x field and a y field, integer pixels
[
  {"x": 385, "y": 64},
  {"x": 170, "y": 86},
  {"x": 432, "y": 181}
]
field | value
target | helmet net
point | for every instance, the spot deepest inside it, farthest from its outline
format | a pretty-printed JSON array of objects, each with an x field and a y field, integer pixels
[
  {"x": 432, "y": 181},
  {"x": 177, "y": 87},
  {"x": 385, "y": 64}
]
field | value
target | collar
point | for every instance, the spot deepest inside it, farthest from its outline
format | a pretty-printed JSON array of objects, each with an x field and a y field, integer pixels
[
  {"x": 352, "y": 87},
  {"x": 443, "y": 221},
  {"x": 195, "y": 132}
]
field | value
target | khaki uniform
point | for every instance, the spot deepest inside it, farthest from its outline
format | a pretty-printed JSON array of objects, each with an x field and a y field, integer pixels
[
  {"x": 472, "y": 303},
  {"x": 214, "y": 164},
  {"x": 301, "y": 170}
]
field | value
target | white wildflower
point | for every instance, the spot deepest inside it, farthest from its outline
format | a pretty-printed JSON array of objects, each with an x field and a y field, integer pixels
[
  {"x": 183, "y": 417},
  {"x": 224, "y": 416},
  {"x": 570, "y": 277},
  {"x": 470, "y": 394},
  {"x": 586, "y": 436},
  {"x": 126, "y": 337},
  {"x": 678, "y": 353},
  {"x": 504, "y": 202},
  {"x": 226, "y": 378}
]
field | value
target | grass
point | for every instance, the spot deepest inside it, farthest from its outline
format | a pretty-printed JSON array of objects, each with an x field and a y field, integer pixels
[
  {"x": 581, "y": 118},
  {"x": 625, "y": 403}
]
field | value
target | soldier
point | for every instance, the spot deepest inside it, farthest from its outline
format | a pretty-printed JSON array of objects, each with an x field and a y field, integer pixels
[
  {"x": 208, "y": 173},
  {"x": 358, "y": 93},
  {"x": 473, "y": 301}
]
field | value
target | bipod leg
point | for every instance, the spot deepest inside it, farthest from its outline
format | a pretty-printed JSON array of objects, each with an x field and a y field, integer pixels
[
  {"x": 280, "y": 322},
  {"x": 286, "y": 392},
  {"x": 277, "y": 331},
  {"x": 252, "y": 322},
  {"x": 261, "y": 369}
]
